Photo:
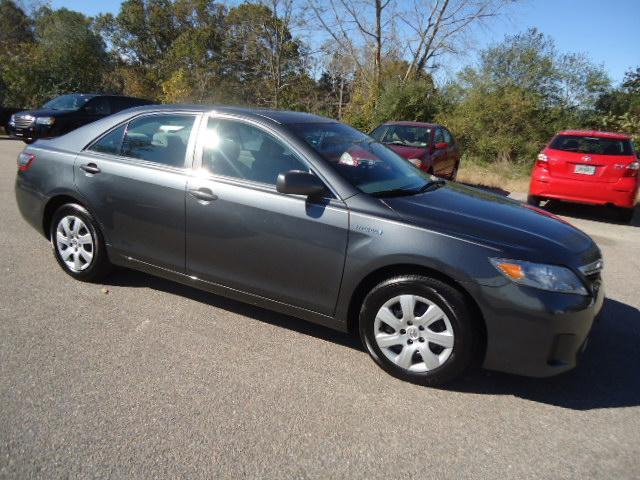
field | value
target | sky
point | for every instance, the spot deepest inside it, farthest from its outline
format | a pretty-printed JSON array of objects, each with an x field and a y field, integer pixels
[{"x": 608, "y": 31}]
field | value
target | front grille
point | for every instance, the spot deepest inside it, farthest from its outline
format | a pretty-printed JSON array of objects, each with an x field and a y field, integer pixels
[{"x": 24, "y": 121}]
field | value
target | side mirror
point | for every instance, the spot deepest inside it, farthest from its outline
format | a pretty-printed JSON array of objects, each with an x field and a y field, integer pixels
[
  {"x": 297, "y": 182},
  {"x": 441, "y": 145}
]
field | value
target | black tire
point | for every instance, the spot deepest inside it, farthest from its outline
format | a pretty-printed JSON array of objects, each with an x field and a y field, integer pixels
[
  {"x": 28, "y": 141},
  {"x": 467, "y": 334},
  {"x": 534, "y": 200},
  {"x": 625, "y": 215},
  {"x": 99, "y": 266}
]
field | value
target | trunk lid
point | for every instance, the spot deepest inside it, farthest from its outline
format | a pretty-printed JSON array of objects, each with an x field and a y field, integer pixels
[{"x": 588, "y": 159}]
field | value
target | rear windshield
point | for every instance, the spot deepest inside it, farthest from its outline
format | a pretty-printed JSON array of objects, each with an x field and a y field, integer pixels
[{"x": 592, "y": 145}]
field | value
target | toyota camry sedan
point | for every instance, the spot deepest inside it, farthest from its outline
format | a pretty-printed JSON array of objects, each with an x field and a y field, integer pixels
[{"x": 310, "y": 217}]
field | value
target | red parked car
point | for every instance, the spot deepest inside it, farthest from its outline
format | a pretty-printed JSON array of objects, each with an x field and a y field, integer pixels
[
  {"x": 598, "y": 168},
  {"x": 428, "y": 146}
]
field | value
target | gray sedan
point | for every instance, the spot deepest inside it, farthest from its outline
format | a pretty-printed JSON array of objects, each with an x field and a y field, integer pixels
[{"x": 309, "y": 217}]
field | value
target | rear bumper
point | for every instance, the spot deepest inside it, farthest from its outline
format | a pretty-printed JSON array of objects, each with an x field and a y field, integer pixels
[
  {"x": 534, "y": 332},
  {"x": 30, "y": 203},
  {"x": 622, "y": 193}
]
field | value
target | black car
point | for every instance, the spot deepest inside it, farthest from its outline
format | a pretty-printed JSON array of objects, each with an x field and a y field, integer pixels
[{"x": 66, "y": 113}]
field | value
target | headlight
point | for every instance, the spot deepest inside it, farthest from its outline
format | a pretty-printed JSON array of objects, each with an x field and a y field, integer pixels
[
  {"x": 538, "y": 275},
  {"x": 45, "y": 120},
  {"x": 12, "y": 120},
  {"x": 416, "y": 161}
]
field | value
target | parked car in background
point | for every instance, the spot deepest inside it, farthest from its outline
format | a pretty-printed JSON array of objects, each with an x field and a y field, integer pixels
[
  {"x": 428, "y": 146},
  {"x": 66, "y": 113},
  {"x": 598, "y": 168},
  {"x": 310, "y": 217}
]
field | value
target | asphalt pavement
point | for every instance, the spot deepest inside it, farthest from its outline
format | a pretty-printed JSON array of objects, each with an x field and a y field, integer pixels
[{"x": 143, "y": 378}]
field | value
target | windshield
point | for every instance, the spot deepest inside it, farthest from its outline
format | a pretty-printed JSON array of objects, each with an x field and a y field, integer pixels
[
  {"x": 68, "y": 102},
  {"x": 405, "y": 135},
  {"x": 592, "y": 145},
  {"x": 366, "y": 164}
]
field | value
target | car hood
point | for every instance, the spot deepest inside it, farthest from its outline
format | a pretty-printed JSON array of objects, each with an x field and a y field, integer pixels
[
  {"x": 517, "y": 230},
  {"x": 407, "y": 152},
  {"x": 44, "y": 112}
]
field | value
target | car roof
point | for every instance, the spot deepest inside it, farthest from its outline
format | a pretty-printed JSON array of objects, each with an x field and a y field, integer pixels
[
  {"x": 595, "y": 133},
  {"x": 413, "y": 124},
  {"x": 279, "y": 116}
]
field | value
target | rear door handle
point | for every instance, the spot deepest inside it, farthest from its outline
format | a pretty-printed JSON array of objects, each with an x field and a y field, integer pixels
[
  {"x": 90, "y": 168},
  {"x": 203, "y": 194}
]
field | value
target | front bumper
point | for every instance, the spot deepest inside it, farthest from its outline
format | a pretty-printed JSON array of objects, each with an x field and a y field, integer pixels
[
  {"x": 533, "y": 332},
  {"x": 622, "y": 193},
  {"x": 32, "y": 132}
]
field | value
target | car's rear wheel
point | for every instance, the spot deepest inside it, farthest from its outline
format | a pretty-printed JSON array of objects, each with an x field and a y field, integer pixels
[
  {"x": 454, "y": 173},
  {"x": 78, "y": 244},
  {"x": 419, "y": 329},
  {"x": 534, "y": 200}
]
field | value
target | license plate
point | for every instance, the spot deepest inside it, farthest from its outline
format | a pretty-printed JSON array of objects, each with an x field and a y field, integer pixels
[
  {"x": 585, "y": 169},
  {"x": 18, "y": 134}
]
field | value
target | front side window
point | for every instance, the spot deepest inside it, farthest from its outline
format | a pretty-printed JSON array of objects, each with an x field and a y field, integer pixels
[
  {"x": 239, "y": 150},
  {"x": 592, "y": 145},
  {"x": 366, "y": 164},
  {"x": 111, "y": 143},
  {"x": 98, "y": 106},
  {"x": 159, "y": 138},
  {"x": 439, "y": 136}
]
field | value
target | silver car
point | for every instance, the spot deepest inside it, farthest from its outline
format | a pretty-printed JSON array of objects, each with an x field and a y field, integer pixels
[{"x": 310, "y": 217}]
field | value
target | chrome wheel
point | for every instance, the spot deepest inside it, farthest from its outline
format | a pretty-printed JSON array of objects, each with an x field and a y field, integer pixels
[
  {"x": 414, "y": 333},
  {"x": 74, "y": 243}
]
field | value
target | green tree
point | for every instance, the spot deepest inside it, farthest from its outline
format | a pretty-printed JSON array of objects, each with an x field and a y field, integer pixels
[{"x": 522, "y": 92}]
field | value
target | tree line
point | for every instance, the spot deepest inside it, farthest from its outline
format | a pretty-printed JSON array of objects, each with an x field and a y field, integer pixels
[{"x": 360, "y": 61}]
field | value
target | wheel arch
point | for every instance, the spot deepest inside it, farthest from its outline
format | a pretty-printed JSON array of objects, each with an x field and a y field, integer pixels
[
  {"x": 55, "y": 202},
  {"x": 384, "y": 273}
]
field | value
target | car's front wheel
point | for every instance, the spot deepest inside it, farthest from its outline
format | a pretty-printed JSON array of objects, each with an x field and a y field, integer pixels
[
  {"x": 419, "y": 329},
  {"x": 78, "y": 244}
]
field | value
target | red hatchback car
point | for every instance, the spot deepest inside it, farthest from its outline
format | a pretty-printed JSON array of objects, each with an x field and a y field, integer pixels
[
  {"x": 428, "y": 146},
  {"x": 598, "y": 168}
]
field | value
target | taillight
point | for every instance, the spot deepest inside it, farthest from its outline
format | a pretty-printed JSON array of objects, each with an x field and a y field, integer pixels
[
  {"x": 542, "y": 160},
  {"x": 25, "y": 159},
  {"x": 632, "y": 169}
]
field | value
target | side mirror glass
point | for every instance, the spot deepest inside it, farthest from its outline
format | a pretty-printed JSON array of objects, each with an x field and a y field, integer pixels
[
  {"x": 297, "y": 182},
  {"x": 441, "y": 145}
]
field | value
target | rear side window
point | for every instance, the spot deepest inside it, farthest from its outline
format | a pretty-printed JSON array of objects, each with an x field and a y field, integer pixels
[
  {"x": 110, "y": 143},
  {"x": 447, "y": 136},
  {"x": 160, "y": 139},
  {"x": 592, "y": 145}
]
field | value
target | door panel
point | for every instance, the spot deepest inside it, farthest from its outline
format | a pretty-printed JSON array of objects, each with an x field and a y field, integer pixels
[
  {"x": 140, "y": 207},
  {"x": 277, "y": 246}
]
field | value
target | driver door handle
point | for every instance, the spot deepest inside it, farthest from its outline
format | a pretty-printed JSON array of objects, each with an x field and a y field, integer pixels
[
  {"x": 203, "y": 194},
  {"x": 90, "y": 168}
]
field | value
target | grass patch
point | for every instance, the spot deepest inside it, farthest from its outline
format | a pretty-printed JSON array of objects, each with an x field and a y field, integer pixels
[{"x": 501, "y": 174}]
